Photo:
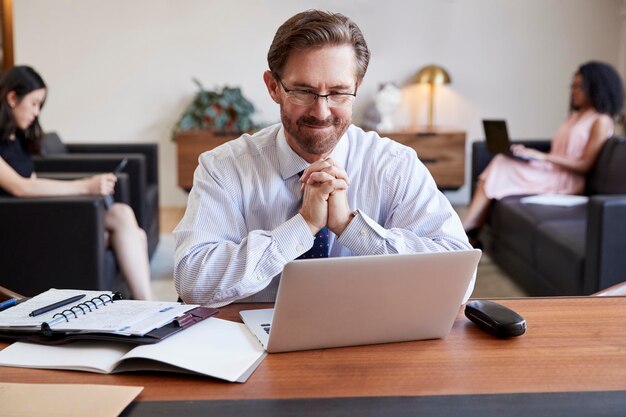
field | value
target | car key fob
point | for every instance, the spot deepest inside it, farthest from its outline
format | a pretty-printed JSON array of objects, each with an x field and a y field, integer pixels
[{"x": 495, "y": 318}]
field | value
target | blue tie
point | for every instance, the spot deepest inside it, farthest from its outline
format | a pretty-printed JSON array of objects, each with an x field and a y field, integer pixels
[{"x": 320, "y": 245}]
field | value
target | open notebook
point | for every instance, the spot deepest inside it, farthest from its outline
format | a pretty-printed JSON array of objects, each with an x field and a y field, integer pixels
[
  {"x": 213, "y": 347},
  {"x": 97, "y": 314}
]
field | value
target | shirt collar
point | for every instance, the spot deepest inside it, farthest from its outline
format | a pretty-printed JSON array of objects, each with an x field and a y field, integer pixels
[{"x": 290, "y": 163}]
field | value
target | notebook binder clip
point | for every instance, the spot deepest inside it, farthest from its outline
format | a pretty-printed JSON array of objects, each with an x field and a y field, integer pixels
[
  {"x": 194, "y": 316},
  {"x": 185, "y": 320}
]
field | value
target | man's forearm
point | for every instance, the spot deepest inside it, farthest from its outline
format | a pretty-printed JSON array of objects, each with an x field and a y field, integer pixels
[
  {"x": 364, "y": 236},
  {"x": 217, "y": 273}
]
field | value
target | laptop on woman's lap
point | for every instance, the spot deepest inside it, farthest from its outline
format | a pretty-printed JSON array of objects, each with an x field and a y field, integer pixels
[{"x": 497, "y": 140}]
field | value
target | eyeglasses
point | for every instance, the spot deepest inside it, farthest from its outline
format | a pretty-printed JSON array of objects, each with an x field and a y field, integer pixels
[{"x": 306, "y": 98}]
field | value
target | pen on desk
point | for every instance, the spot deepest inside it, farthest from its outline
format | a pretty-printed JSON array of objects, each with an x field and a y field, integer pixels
[
  {"x": 56, "y": 305},
  {"x": 11, "y": 302}
]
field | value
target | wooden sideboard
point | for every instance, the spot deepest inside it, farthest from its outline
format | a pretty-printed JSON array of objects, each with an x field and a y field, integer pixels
[
  {"x": 442, "y": 151},
  {"x": 189, "y": 146}
]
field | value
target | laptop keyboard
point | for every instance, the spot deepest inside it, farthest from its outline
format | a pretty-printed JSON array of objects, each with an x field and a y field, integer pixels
[{"x": 266, "y": 327}]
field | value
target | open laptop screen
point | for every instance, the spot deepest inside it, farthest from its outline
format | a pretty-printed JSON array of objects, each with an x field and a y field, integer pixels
[{"x": 497, "y": 136}]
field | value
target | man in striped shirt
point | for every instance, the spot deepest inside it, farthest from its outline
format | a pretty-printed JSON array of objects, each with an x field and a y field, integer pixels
[{"x": 313, "y": 185}]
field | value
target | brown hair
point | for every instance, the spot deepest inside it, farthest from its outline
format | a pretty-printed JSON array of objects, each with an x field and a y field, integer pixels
[{"x": 314, "y": 28}]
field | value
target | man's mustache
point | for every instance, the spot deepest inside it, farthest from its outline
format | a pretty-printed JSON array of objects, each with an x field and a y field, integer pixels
[{"x": 314, "y": 121}]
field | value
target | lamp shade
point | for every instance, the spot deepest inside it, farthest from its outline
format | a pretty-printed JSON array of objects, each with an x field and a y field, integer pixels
[{"x": 432, "y": 74}]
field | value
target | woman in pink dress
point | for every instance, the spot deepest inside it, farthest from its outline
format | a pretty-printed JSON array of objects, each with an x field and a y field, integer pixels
[{"x": 597, "y": 96}]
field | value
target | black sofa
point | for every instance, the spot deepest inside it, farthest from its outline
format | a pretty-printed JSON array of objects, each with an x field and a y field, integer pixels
[
  {"x": 552, "y": 250},
  {"x": 142, "y": 169},
  {"x": 58, "y": 241}
]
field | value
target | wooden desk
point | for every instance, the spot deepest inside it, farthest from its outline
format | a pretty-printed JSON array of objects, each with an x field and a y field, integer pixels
[
  {"x": 189, "y": 146},
  {"x": 572, "y": 344}
]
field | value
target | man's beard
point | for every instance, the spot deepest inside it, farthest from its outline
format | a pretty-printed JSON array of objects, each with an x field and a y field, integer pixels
[{"x": 310, "y": 141}]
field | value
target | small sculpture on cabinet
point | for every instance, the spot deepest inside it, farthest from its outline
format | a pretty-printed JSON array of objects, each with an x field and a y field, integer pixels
[{"x": 387, "y": 100}]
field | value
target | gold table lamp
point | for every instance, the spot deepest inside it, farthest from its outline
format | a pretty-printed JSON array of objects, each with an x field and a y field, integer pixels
[{"x": 432, "y": 75}]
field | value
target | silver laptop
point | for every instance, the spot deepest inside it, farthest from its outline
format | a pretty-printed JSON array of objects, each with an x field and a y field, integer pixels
[
  {"x": 360, "y": 300},
  {"x": 497, "y": 139}
]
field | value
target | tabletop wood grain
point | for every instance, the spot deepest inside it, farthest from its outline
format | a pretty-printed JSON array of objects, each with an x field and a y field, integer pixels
[{"x": 572, "y": 344}]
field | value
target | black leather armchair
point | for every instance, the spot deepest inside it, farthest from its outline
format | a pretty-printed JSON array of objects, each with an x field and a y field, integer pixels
[
  {"x": 121, "y": 193},
  {"x": 55, "y": 242},
  {"x": 551, "y": 250},
  {"x": 142, "y": 168}
]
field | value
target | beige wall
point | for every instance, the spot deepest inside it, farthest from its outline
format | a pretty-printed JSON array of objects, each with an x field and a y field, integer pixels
[{"x": 120, "y": 70}]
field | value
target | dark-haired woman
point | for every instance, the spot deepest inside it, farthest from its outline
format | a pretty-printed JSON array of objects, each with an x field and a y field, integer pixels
[
  {"x": 22, "y": 95},
  {"x": 597, "y": 96}
]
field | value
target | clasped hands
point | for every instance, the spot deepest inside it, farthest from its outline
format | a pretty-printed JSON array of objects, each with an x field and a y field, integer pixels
[{"x": 325, "y": 201}]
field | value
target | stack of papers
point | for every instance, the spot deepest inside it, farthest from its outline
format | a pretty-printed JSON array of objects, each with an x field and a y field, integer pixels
[
  {"x": 182, "y": 337},
  {"x": 561, "y": 200},
  {"x": 213, "y": 347}
]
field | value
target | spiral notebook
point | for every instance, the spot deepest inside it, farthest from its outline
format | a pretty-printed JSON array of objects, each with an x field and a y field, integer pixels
[{"x": 97, "y": 315}]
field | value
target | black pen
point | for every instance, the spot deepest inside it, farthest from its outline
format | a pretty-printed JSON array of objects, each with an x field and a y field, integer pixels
[{"x": 56, "y": 305}]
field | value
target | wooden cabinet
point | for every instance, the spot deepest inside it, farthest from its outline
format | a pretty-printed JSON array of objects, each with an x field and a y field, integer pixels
[
  {"x": 442, "y": 151},
  {"x": 189, "y": 146}
]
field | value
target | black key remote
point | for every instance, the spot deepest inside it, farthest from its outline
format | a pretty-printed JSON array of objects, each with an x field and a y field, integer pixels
[{"x": 495, "y": 318}]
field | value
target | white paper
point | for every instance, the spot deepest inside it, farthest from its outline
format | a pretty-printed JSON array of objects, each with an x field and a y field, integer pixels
[
  {"x": 562, "y": 200},
  {"x": 18, "y": 316},
  {"x": 212, "y": 347},
  {"x": 220, "y": 348},
  {"x": 130, "y": 317},
  {"x": 89, "y": 356}
]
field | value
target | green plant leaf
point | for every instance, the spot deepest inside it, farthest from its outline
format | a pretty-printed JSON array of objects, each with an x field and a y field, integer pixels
[{"x": 224, "y": 109}]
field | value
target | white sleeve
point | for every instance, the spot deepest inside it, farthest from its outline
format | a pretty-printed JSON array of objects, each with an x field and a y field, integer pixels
[
  {"x": 217, "y": 260},
  {"x": 421, "y": 218}
]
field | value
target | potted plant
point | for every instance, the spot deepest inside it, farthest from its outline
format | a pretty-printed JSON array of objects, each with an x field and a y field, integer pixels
[
  {"x": 223, "y": 111},
  {"x": 212, "y": 118}
]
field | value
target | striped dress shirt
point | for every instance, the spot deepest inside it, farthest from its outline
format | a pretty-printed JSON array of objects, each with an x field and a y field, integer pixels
[{"x": 242, "y": 225}]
